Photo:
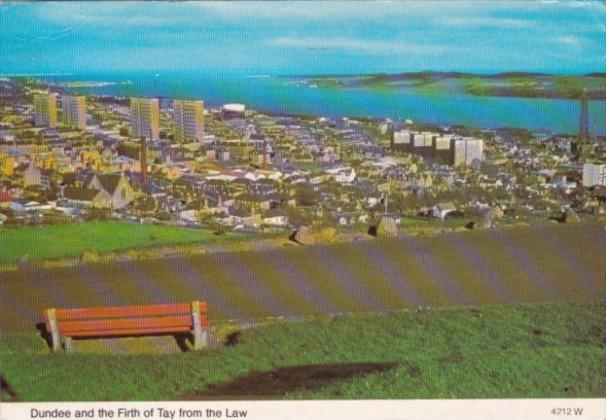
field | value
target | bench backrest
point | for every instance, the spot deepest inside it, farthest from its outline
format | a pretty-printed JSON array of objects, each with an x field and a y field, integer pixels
[{"x": 126, "y": 320}]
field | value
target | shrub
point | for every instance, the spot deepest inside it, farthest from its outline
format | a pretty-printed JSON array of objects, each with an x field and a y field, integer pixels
[{"x": 89, "y": 256}]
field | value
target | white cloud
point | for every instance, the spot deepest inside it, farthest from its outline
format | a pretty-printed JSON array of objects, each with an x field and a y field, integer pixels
[
  {"x": 359, "y": 45},
  {"x": 486, "y": 21},
  {"x": 568, "y": 40},
  {"x": 585, "y": 3}
]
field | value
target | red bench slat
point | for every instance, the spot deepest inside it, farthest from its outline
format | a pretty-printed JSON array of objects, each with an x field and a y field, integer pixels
[
  {"x": 124, "y": 311},
  {"x": 91, "y": 324},
  {"x": 110, "y": 324},
  {"x": 131, "y": 331}
]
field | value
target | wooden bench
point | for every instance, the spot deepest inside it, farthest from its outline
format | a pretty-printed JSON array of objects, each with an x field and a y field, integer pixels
[{"x": 65, "y": 324}]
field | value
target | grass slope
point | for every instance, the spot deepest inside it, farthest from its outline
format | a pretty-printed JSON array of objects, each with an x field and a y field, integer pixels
[
  {"x": 70, "y": 240},
  {"x": 493, "y": 351}
]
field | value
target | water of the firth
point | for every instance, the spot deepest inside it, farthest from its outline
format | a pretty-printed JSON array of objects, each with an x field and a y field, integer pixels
[{"x": 280, "y": 95}]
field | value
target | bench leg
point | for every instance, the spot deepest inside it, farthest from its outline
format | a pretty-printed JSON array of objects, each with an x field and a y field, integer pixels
[
  {"x": 199, "y": 334},
  {"x": 68, "y": 344},
  {"x": 200, "y": 339},
  {"x": 56, "y": 342},
  {"x": 55, "y": 336}
]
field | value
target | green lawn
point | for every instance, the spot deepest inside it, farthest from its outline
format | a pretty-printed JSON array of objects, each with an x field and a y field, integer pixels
[
  {"x": 71, "y": 240},
  {"x": 492, "y": 351}
]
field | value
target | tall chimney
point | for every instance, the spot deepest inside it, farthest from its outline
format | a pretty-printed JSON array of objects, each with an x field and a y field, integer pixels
[{"x": 143, "y": 159}]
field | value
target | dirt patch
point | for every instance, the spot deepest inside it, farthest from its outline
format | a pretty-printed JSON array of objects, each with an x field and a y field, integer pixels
[
  {"x": 233, "y": 339},
  {"x": 537, "y": 331},
  {"x": 413, "y": 370},
  {"x": 277, "y": 382}
]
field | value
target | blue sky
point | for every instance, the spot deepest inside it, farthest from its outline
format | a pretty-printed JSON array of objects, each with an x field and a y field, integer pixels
[{"x": 304, "y": 37}]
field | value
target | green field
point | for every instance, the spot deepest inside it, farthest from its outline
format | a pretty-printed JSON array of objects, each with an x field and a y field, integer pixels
[
  {"x": 491, "y": 351},
  {"x": 71, "y": 240}
]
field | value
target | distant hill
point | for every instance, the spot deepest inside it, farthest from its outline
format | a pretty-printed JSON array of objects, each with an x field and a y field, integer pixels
[{"x": 507, "y": 84}]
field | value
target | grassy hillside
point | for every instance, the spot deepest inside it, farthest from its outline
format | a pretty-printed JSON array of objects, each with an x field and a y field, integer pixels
[
  {"x": 65, "y": 240},
  {"x": 493, "y": 351}
]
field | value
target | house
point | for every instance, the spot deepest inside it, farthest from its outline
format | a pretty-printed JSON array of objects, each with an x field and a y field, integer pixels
[
  {"x": 5, "y": 196},
  {"x": 240, "y": 217},
  {"x": 441, "y": 210},
  {"x": 32, "y": 175},
  {"x": 275, "y": 217},
  {"x": 87, "y": 197},
  {"x": 343, "y": 175},
  {"x": 261, "y": 202},
  {"x": 198, "y": 208},
  {"x": 347, "y": 218},
  {"x": 117, "y": 186},
  {"x": 23, "y": 205}
]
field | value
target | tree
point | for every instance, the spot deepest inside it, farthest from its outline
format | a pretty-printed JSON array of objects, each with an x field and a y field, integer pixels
[
  {"x": 204, "y": 217},
  {"x": 305, "y": 195},
  {"x": 95, "y": 213},
  {"x": 297, "y": 218},
  {"x": 37, "y": 193},
  {"x": 144, "y": 204}
]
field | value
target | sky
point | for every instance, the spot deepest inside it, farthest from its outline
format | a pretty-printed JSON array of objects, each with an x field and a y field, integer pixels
[{"x": 553, "y": 36}]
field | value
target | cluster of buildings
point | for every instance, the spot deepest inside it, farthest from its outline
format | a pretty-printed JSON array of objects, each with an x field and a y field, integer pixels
[
  {"x": 46, "y": 108},
  {"x": 173, "y": 161},
  {"x": 442, "y": 148},
  {"x": 144, "y": 115}
]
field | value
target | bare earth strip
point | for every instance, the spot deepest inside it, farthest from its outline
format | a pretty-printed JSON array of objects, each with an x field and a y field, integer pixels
[
  {"x": 385, "y": 268},
  {"x": 300, "y": 282},
  {"x": 469, "y": 256},
  {"x": 522, "y": 264},
  {"x": 432, "y": 266}
]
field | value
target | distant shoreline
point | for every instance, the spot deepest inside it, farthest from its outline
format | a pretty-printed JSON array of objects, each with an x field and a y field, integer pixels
[{"x": 508, "y": 84}]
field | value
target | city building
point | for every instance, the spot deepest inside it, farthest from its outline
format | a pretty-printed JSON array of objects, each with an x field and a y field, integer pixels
[
  {"x": 402, "y": 140},
  {"x": 189, "y": 120},
  {"x": 145, "y": 117},
  {"x": 230, "y": 111},
  {"x": 74, "y": 111},
  {"x": 422, "y": 144},
  {"x": 467, "y": 151},
  {"x": 441, "y": 149},
  {"x": 45, "y": 110},
  {"x": 594, "y": 174}
]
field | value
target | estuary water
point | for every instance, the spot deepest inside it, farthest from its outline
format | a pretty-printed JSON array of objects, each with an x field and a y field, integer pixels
[{"x": 279, "y": 94}]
